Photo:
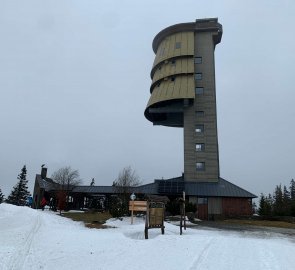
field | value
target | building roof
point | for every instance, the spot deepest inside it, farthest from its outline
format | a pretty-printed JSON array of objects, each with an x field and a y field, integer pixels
[
  {"x": 222, "y": 188},
  {"x": 172, "y": 186},
  {"x": 93, "y": 189},
  {"x": 145, "y": 189}
]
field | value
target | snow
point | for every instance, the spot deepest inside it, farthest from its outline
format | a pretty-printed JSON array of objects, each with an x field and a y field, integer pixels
[{"x": 33, "y": 239}]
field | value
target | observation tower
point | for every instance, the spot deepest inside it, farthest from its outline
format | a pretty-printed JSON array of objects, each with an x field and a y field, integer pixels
[{"x": 183, "y": 92}]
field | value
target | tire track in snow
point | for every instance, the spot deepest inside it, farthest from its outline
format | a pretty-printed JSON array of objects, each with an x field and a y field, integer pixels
[
  {"x": 21, "y": 256},
  {"x": 202, "y": 255},
  {"x": 268, "y": 259}
]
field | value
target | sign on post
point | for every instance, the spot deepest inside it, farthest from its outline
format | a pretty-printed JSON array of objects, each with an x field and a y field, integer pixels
[
  {"x": 154, "y": 217},
  {"x": 137, "y": 206}
]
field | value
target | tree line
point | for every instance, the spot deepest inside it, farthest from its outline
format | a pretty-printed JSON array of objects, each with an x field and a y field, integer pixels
[{"x": 281, "y": 203}]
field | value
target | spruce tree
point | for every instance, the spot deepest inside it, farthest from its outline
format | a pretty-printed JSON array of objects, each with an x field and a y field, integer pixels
[
  {"x": 292, "y": 190},
  {"x": 262, "y": 205},
  {"x": 286, "y": 202},
  {"x": 292, "y": 197},
  {"x": 19, "y": 194},
  {"x": 1, "y": 196},
  {"x": 278, "y": 201}
]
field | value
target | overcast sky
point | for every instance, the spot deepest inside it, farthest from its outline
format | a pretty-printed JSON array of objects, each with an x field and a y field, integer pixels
[{"x": 74, "y": 82}]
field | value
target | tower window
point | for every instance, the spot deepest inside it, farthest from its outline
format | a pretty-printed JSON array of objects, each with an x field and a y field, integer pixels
[
  {"x": 199, "y": 128},
  {"x": 172, "y": 79},
  {"x": 198, "y": 76},
  {"x": 200, "y": 113},
  {"x": 177, "y": 45},
  {"x": 200, "y": 166},
  {"x": 200, "y": 147},
  {"x": 199, "y": 90},
  {"x": 198, "y": 60},
  {"x": 173, "y": 62}
]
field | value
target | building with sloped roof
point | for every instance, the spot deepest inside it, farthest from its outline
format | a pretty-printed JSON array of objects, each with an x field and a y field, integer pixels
[{"x": 213, "y": 199}]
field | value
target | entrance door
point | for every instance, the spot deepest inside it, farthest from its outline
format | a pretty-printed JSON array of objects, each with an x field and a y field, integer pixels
[{"x": 203, "y": 208}]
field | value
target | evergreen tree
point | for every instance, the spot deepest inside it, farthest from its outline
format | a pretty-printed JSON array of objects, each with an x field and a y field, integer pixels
[
  {"x": 292, "y": 198},
  {"x": 292, "y": 189},
  {"x": 286, "y": 202},
  {"x": 19, "y": 194},
  {"x": 1, "y": 196},
  {"x": 254, "y": 208},
  {"x": 269, "y": 205},
  {"x": 261, "y": 209},
  {"x": 265, "y": 205},
  {"x": 278, "y": 205}
]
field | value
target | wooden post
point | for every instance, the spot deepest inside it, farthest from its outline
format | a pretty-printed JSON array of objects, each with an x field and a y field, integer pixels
[
  {"x": 132, "y": 209},
  {"x": 146, "y": 228},
  {"x": 183, "y": 193}
]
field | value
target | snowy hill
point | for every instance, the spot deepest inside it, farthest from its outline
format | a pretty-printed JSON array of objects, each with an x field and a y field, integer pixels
[{"x": 32, "y": 239}]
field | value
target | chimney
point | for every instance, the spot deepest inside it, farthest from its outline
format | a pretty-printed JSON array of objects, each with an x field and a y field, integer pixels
[{"x": 43, "y": 172}]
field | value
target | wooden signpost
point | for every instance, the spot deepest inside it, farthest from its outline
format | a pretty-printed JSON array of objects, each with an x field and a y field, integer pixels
[{"x": 137, "y": 206}]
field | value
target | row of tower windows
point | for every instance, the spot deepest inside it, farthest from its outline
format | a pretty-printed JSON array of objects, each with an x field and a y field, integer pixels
[{"x": 200, "y": 147}]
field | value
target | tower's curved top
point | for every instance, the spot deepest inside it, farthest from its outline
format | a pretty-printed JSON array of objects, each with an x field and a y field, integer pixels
[
  {"x": 173, "y": 72},
  {"x": 200, "y": 25}
]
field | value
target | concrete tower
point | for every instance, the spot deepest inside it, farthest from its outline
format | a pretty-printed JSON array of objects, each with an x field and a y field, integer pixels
[{"x": 183, "y": 92}]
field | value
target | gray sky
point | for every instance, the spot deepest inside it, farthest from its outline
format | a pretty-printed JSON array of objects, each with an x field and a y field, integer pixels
[{"x": 74, "y": 82}]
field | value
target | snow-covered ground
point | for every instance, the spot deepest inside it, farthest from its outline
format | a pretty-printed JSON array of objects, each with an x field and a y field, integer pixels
[{"x": 32, "y": 239}]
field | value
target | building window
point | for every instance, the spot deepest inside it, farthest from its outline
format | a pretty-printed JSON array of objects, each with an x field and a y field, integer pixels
[
  {"x": 159, "y": 84},
  {"x": 200, "y": 166},
  {"x": 199, "y": 128},
  {"x": 198, "y": 60},
  {"x": 177, "y": 45},
  {"x": 198, "y": 76},
  {"x": 173, "y": 62},
  {"x": 202, "y": 200},
  {"x": 199, "y": 90},
  {"x": 200, "y": 147},
  {"x": 172, "y": 79},
  {"x": 200, "y": 113}
]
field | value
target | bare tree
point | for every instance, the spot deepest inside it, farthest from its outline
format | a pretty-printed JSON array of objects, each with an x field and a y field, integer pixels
[
  {"x": 67, "y": 179},
  {"x": 127, "y": 178}
]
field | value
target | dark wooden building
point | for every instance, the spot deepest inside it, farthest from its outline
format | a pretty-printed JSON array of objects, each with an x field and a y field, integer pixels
[{"x": 213, "y": 199}]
